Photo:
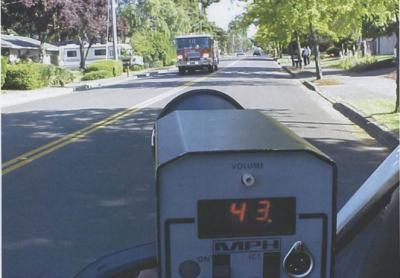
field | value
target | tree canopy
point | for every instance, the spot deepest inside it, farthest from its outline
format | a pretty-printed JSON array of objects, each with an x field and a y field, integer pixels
[{"x": 280, "y": 22}]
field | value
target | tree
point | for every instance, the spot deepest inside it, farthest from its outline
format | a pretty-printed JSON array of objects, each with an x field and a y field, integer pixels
[
  {"x": 334, "y": 19},
  {"x": 85, "y": 20},
  {"x": 32, "y": 17},
  {"x": 237, "y": 35}
]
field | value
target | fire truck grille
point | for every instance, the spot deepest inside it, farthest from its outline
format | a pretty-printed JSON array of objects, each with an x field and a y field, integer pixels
[{"x": 193, "y": 55}]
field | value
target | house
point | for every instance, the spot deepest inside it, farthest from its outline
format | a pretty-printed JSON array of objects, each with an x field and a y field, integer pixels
[
  {"x": 384, "y": 45},
  {"x": 66, "y": 54},
  {"x": 18, "y": 47}
]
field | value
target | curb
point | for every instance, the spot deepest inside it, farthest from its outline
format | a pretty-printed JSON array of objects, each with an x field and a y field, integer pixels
[
  {"x": 373, "y": 128},
  {"x": 28, "y": 96},
  {"x": 289, "y": 71}
]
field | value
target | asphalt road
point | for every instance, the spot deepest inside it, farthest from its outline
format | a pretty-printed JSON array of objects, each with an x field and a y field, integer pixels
[{"x": 90, "y": 190}]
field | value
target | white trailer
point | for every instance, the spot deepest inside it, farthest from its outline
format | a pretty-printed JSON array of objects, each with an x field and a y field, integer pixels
[{"x": 70, "y": 54}]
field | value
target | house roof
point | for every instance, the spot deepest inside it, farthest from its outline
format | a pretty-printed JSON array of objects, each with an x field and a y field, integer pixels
[{"x": 19, "y": 42}]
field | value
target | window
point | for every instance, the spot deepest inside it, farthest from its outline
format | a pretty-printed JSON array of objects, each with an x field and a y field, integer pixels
[
  {"x": 99, "y": 52},
  {"x": 196, "y": 42},
  {"x": 5, "y": 51},
  {"x": 72, "y": 53}
]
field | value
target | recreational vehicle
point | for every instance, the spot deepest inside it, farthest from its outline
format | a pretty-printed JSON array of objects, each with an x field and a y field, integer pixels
[{"x": 70, "y": 55}]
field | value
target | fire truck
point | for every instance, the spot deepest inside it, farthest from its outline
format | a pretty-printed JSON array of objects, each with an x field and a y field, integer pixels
[{"x": 196, "y": 52}]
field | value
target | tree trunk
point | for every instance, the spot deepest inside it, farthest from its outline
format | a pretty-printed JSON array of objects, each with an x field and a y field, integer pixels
[
  {"x": 299, "y": 56},
  {"x": 82, "y": 54},
  {"x": 87, "y": 51},
  {"x": 397, "y": 108},
  {"x": 42, "y": 48},
  {"x": 343, "y": 50},
  {"x": 317, "y": 55}
]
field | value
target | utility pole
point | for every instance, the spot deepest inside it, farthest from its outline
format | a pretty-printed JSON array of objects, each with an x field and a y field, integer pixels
[
  {"x": 114, "y": 29},
  {"x": 108, "y": 27}
]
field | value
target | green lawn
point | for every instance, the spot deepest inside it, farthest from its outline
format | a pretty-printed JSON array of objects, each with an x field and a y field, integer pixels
[
  {"x": 354, "y": 63},
  {"x": 381, "y": 110},
  {"x": 331, "y": 62},
  {"x": 383, "y": 57}
]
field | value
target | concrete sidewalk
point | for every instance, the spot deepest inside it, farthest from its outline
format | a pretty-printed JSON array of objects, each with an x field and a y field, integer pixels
[
  {"x": 348, "y": 90},
  {"x": 15, "y": 97}
]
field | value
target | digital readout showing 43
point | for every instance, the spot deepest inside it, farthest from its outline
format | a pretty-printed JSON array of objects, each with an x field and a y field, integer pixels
[{"x": 246, "y": 217}]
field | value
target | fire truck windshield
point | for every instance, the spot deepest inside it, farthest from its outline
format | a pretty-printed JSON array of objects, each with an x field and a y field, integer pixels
[{"x": 198, "y": 42}]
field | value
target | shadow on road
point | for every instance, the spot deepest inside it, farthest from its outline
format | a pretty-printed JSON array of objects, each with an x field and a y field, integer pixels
[
  {"x": 27, "y": 130},
  {"x": 83, "y": 201},
  {"x": 232, "y": 76}
]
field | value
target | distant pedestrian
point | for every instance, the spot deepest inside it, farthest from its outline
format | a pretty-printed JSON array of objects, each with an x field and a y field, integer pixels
[
  {"x": 308, "y": 54},
  {"x": 296, "y": 60},
  {"x": 304, "y": 54}
]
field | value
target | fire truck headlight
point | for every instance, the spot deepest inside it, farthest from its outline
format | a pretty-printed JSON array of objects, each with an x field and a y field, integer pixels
[
  {"x": 179, "y": 57},
  {"x": 206, "y": 55}
]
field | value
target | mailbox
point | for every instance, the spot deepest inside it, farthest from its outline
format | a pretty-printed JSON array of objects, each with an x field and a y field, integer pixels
[{"x": 241, "y": 196}]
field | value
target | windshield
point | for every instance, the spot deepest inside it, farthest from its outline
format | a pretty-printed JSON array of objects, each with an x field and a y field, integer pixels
[{"x": 193, "y": 43}]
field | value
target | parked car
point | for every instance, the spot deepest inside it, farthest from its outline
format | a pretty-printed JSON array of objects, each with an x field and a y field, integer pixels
[
  {"x": 257, "y": 52},
  {"x": 240, "y": 53}
]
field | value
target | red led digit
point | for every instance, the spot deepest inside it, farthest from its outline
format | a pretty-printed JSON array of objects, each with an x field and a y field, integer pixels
[
  {"x": 263, "y": 211},
  {"x": 239, "y": 211}
]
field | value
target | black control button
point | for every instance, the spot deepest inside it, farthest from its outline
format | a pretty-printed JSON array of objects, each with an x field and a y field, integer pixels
[
  {"x": 298, "y": 262},
  {"x": 189, "y": 269}
]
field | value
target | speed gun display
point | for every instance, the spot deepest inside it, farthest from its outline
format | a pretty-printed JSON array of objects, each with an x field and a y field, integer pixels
[{"x": 241, "y": 196}]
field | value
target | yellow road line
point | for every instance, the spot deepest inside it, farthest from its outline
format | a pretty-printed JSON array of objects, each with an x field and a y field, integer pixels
[
  {"x": 69, "y": 140},
  {"x": 55, "y": 142},
  {"x": 48, "y": 148}
]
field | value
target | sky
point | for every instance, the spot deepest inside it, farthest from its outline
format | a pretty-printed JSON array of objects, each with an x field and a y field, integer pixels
[{"x": 226, "y": 10}]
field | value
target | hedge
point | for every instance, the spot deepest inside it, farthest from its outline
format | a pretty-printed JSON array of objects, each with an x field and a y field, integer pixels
[
  {"x": 112, "y": 66},
  {"x": 33, "y": 75},
  {"x": 26, "y": 76},
  {"x": 136, "y": 67},
  {"x": 4, "y": 61},
  {"x": 60, "y": 76},
  {"x": 99, "y": 74}
]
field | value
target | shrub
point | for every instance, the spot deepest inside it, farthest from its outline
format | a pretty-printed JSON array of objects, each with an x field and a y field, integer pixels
[
  {"x": 112, "y": 66},
  {"x": 33, "y": 75},
  {"x": 27, "y": 76},
  {"x": 136, "y": 67},
  {"x": 4, "y": 61},
  {"x": 157, "y": 64},
  {"x": 333, "y": 51},
  {"x": 60, "y": 77},
  {"x": 93, "y": 75}
]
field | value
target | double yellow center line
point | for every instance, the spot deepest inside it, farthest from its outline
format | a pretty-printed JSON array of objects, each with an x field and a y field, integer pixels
[
  {"x": 48, "y": 148},
  {"x": 34, "y": 154}
]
